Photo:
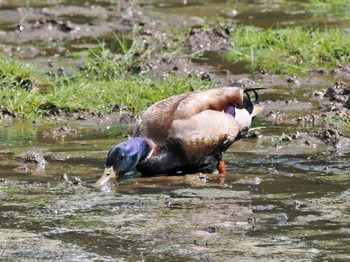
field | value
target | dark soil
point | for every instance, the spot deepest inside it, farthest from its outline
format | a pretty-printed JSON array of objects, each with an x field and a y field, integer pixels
[
  {"x": 34, "y": 162},
  {"x": 53, "y": 28},
  {"x": 5, "y": 113},
  {"x": 215, "y": 39},
  {"x": 334, "y": 104}
]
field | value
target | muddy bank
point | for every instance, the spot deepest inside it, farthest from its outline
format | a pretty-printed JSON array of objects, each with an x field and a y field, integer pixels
[
  {"x": 156, "y": 52},
  {"x": 55, "y": 23}
]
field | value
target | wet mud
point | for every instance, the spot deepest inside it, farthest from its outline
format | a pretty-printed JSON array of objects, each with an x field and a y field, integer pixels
[
  {"x": 215, "y": 39},
  {"x": 286, "y": 195}
]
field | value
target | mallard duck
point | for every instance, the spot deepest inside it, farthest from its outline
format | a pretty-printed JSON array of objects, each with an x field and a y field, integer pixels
[{"x": 185, "y": 133}]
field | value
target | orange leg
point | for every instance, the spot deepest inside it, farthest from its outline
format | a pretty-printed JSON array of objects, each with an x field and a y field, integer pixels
[{"x": 221, "y": 167}]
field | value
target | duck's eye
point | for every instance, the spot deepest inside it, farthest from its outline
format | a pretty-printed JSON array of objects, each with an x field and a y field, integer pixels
[{"x": 122, "y": 157}]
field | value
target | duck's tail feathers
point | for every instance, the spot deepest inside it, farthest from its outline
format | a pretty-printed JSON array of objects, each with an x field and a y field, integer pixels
[
  {"x": 256, "y": 95},
  {"x": 251, "y": 105}
]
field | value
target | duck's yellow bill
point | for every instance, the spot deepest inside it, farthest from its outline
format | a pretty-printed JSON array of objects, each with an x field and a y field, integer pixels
[{"x": 108, "y": 176}]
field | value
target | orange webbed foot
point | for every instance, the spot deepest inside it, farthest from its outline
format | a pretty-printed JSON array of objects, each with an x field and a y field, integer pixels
[{"x": 221, "y": 167}]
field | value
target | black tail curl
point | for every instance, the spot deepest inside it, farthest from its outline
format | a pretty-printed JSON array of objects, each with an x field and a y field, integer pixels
[{"x": 248, "y": 104}]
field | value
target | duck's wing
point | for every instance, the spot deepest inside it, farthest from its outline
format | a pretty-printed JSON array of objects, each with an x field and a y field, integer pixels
[
  {"x": 208, "y": 133},
  {"x": 213, "y": 99},
  {"x": 156, "y": 121},
  {"x": 197, "y": 108}
]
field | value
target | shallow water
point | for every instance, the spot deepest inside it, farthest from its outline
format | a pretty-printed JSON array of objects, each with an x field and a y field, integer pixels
[
  {"x": 275, "y": 203},
  {"x": 279, "y": 201}
]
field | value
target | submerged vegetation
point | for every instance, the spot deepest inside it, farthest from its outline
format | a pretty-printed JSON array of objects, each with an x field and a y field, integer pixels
[{"x": 289, "y": 50}]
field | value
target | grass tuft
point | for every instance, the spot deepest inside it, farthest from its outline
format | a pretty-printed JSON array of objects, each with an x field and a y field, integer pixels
[
  {"x": 136, "y": 92},
  {"x": 337, "y": 8},
  {"x": 15, "y": 75},
  {"x": 289, "y": 50},
  {"x": 101, "y": 86}
]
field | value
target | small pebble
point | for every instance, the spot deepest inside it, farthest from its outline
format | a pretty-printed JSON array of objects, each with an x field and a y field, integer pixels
[
  {"x": 297, "y": 204},
  {"x": 76, "y": 181},
  {"x": 282, "y": 218},
  {"x": 65, "y": 177},
  {"x": 168, "y": 202},
  {"x": 273, "y": 171},
  {"x": 210, "y": 229},
  {"x": 241, "y": 223}
]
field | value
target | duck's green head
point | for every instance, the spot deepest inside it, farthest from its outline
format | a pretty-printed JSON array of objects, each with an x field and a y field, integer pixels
[{"x": 122, "y": 158}]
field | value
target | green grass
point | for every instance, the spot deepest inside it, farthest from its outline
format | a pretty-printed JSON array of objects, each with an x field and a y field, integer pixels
[
  {"x": 99, "y": 87},
  {"x": 135, "y": 92},
  {"x": 107, "y": 79},
  {"x": 15, "y": 75},
  {"x": 336, "y": 8},
  {"x": 289, "y": 50}
]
